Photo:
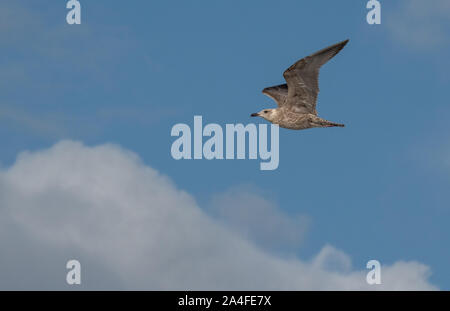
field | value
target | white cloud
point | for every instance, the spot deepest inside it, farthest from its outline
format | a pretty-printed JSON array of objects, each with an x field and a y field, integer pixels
[
  {"x": 246, "y": 210},
  {"x": 420, "y": 24},
  {"x": 132, "y": 228},
  {"x": 331, "y": 259}
]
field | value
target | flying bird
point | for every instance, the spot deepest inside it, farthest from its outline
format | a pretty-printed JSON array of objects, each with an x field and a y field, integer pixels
[{"x": 297, "y": 98}]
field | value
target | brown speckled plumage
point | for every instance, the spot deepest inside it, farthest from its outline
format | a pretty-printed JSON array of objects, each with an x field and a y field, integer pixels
[{"x": 298, "y": 97}]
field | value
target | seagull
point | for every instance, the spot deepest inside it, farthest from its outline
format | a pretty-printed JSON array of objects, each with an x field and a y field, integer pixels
[{"x": 297, "y": 98}]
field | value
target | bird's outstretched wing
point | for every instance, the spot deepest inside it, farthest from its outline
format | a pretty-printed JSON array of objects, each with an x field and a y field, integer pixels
[
  {"x": 303, "y": 79},
  {"x": 278, "y": 93}
]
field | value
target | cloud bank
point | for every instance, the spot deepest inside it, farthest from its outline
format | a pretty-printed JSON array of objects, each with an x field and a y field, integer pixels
[
  {"x": 245, "y": 209},
  {"x": 132, "y": 228}
]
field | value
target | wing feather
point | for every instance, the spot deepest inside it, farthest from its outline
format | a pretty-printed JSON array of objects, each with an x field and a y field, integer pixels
[
  {"x": 303, "y": 79},
  {"x": 278, "y": 93}
]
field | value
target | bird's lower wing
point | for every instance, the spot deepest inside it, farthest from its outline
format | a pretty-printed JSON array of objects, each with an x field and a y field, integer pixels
[{"x": 278, "y": 93}]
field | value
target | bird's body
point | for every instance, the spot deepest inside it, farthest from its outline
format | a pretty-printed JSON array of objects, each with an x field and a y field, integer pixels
[
  {"x": 299, "y": 121},
  {"x": 297, "y": 99}
]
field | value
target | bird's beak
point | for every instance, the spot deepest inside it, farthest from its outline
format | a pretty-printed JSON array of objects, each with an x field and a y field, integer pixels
[{"x": 254, "y": 115}]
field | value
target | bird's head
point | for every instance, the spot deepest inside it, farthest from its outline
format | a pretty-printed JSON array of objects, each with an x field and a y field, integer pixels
[{"x": 268, "y": 114}]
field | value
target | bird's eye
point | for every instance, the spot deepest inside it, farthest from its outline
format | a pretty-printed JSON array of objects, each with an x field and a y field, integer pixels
[{"x": 265, "y": 111}]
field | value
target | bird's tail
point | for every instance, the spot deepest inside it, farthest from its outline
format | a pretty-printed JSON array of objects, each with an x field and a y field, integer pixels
[
  {"x": 337, "y": 124},
  {"x": 319, "y": 122},
  {"x": 332, "y": 124}
]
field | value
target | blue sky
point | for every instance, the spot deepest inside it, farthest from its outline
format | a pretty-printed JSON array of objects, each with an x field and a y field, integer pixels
[{"x": 376, "y": 189}]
